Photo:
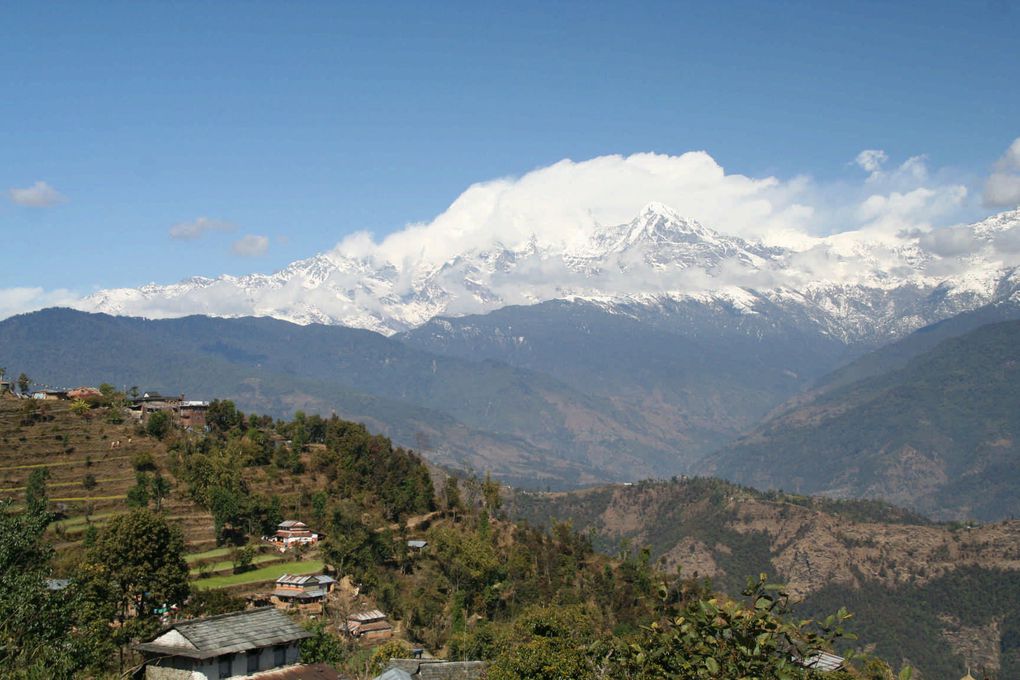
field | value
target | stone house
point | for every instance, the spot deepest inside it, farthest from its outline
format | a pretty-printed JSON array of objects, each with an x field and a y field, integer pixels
[
  {"x": 235, "y": 645},
  {"x": 370, "y": 625}
]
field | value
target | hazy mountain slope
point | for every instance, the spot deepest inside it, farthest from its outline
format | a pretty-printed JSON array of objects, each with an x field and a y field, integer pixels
[
  {"x": 940, "y": 596},
  {"x": 938, "y": 435},
  {"x": 699, "y": 375},
  {"x": 521, "y": 425},
  {"x": 897, "y": 354}
]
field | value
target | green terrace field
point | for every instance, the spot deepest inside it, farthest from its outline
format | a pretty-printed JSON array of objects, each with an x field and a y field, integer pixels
[
  {"x": 73, "y": 448},
  {"x": 263, "y": 575}
]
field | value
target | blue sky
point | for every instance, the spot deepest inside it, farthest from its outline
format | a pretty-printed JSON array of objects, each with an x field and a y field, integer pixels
[{"x": 303, "y": 122}]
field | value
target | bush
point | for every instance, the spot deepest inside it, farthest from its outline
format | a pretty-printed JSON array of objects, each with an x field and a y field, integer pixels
[
  {"x": 143, "y": 461},
  {"x": 158, "y": 425}
]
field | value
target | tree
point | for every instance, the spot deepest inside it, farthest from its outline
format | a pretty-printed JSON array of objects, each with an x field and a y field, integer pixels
[
  {"x": 322, "y": 647},
  {"x": 451, "y": 494},
  {"x": 158, "y": 424},
  {"x": 714, "y": 637},
  {"x": 138, "y": 495},
  {"x": 160, "y": 488},
  {"x": 549, "y": 643},
  {"x": 133, "y": 392},
  {"x": 89, "y": 481},
  {"x": 43, "y": 633},
  {"x": 138, "y": 559},
  {"x": 491, "y": 494},
  {"x": 23, "y": 383},
  {"x": 36, "y": 500},
  {"x": 80, "y": 407},
  {"x": 381, "y": 655}
]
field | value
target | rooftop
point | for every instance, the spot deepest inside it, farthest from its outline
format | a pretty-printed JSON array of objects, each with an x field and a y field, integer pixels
[
  {"x": 433, "y": 669},
  {"x": 313, "y": 579},
  {"x": 371, "y": 615},
  {"x": 226, "y": 634}
]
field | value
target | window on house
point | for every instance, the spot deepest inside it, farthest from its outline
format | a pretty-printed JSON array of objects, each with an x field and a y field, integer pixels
[
  {"x": 253, "y": 661},
  {"x": 225, "y": 666},
  {"x": 279, "y": 655}
]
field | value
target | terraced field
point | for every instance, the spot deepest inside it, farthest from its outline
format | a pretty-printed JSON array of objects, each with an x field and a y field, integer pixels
[{"x": 72, "y": 448}]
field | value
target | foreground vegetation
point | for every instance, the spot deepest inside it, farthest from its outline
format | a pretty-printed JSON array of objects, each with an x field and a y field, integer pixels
[{"x": 535, "y": 603}]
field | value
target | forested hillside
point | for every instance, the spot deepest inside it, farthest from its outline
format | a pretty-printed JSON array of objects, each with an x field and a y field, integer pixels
[
  {"x": 938, "y": 435},
  {"x": 940, "y": 597}
]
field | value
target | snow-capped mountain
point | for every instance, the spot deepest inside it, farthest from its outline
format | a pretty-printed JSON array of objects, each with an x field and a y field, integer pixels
[{"x": 856, "y": 286}]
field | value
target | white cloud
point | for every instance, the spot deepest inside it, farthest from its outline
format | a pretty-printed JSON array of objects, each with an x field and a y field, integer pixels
[
  {"x": 1002, "y": 190},
  {"x": 250, "y": 245},
  {"x": 871, "y": 229},
  {"x": 1011, "y": 159},
  {"x": 871, "y": 160},
  {"x": 564, "y": 203},
  {"x": 20, "y": 300},
  {"x": 198, "y": 228},
  {"x": 39, "y": 195}
]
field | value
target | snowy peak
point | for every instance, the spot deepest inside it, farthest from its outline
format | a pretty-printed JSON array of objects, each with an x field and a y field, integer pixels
[
  {"x": 845, "y": 282},
  {"x": 659, "y": 224}
]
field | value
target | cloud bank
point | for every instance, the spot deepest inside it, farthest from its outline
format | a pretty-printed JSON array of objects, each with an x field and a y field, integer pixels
[
  {"x": 1002, "y": 190},
  {"x": 39, "y": 195},
  {"x": 564, "y": 204}
]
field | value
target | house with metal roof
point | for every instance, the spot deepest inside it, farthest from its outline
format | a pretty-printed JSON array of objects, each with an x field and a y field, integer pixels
[
  {"x": 291, "y": 532},
  {"x": 369, "y": 625},
  {"x": 239, "y": 644},
  {"x": 303, "y": 592}
]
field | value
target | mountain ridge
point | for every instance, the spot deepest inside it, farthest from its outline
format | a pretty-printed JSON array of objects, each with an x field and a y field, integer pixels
[{"x": 847, "y": 281}]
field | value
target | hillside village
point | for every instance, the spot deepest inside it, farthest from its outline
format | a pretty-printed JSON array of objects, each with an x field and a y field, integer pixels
[{"x": 313, "y": 549}]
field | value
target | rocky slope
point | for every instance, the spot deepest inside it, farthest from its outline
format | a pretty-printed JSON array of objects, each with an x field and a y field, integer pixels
[{"x": 931, "y": 593}]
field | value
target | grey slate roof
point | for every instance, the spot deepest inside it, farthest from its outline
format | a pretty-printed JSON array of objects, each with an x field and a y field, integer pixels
[
  {"x": 433, "y": 669},
  {"x": 230, "y": 633}
]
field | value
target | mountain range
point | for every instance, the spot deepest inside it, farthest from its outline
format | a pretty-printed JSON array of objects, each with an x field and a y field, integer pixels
[
  {"x": 864, "y": 286},
  {"x": 637, "y": 351}
]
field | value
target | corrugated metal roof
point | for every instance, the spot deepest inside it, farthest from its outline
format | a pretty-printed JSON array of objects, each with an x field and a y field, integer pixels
[
  {"x": 314, "y": 579},
  {"x": 287, "y": 524},
  {"x": 300, "y": 594},
  {"x": 394, "y": 674},
  {"x": 417, "y": 544},
  {"x": 823, "y": 661},
  {"x": 230, "y": 633},
  {"x": 371, "y": 615}
]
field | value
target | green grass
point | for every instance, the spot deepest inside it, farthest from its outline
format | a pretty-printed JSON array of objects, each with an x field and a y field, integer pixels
[
  {"x": 215, "y": 552},
  {"x": 227, "y": 564},
  {"x": 270, "y": 573}
]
